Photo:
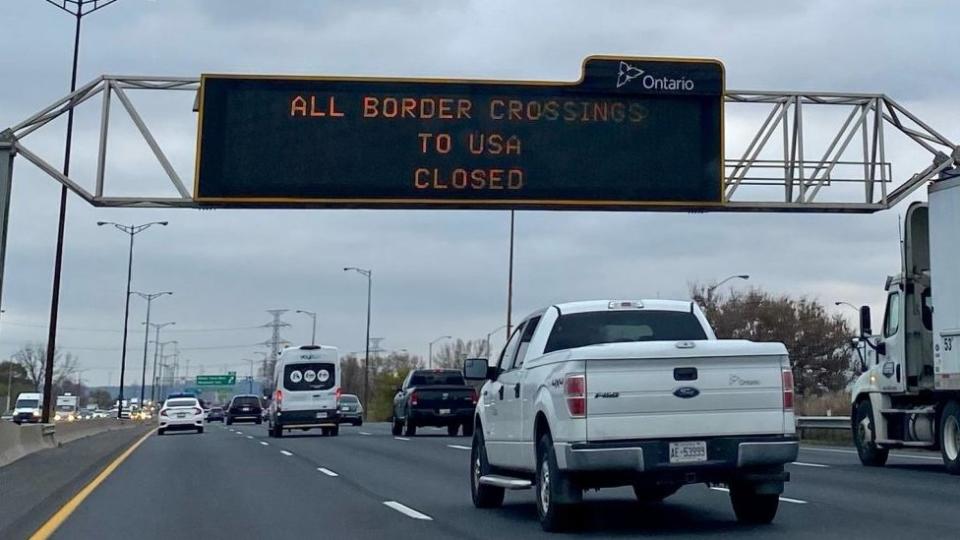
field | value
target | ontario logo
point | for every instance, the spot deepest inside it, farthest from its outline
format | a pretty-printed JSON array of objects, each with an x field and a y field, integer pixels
[{"x": 628, "y": 73}]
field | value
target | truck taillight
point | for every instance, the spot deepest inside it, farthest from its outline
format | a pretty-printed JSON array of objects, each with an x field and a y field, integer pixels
[
  {"x": 473, "y": 395},
  {"x": 575, "y": 390},
  {"x": 338, "y": 392},
  {"x": 413, "y": 399},
  {"x": 787, "y": 390},
  {"x": 278, "y": 397}
]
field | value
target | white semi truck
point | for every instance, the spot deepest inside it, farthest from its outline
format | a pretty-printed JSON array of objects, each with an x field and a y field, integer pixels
[{"x": 908, "y": 395}]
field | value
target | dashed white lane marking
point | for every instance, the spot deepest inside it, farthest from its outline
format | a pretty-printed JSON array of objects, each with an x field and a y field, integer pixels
[
  {"x": 364, "y": 433},
  {"x": 249, "y": 436},
  {"x": 265, "y": 443},
  {"x": 407, "y": 511},
  {"x": 401, "y": 438},
  {"x": 459, "y": 447},
  {"x": 784, "y": 499},
  {"x": 854, "y": 452},
  {"x": 239, "y": 432},
  {"x": 817, "y": 465},
  {"x": 284, "y": 452},
  {"x": 327, "y": 472}
]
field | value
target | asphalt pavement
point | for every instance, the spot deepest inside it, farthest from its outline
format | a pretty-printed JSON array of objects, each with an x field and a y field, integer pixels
[{"x": 235, "y": 482}]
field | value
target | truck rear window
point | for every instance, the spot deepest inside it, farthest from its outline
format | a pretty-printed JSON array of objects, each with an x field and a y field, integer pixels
[
  {"x": 309, "y": 376},
  {"x": 435, "y": 378},
  {"x": 592, "y": 328}
]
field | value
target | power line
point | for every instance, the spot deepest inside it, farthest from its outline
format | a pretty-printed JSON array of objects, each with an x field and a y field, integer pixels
[{"x": 115, "y": 331}]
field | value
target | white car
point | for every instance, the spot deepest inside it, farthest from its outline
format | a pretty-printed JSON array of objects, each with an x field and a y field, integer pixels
[{"x": 182, "y": 413}]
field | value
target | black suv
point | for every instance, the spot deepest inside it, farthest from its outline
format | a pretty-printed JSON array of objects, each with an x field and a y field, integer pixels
[{"x": 244, "y": 408}]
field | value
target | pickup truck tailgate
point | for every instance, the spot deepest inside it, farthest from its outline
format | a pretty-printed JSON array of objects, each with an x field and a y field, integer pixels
[
  {"x": 662, "y": 390},
  {"x": 440, "y": 398}
]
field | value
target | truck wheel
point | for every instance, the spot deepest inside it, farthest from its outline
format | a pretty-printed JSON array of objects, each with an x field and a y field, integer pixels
[
  {"x": 229, "y": 421},
  {"x": 468, "y": 428},
  {"x": 334, "y": 431},
  {"x": 411, "y": 429},
  {"x": 397, "y": 428},
  {"x": 950, "y": 437},
  {"x": 864, "y": 435},
  {"x": 753, "y": 507},
  {"x": 483, "y": 496},
  {"x": 452, "y": 429},
  {"x": 554, "y": 517},
  {"x": 647, "y": 494}
]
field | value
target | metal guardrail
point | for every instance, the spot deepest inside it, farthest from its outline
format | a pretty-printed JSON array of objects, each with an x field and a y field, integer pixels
[{"x": 823, "y": 422}]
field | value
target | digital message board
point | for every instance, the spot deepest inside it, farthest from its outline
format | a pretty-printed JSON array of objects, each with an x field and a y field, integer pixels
[{"x": 632, "y": 132}]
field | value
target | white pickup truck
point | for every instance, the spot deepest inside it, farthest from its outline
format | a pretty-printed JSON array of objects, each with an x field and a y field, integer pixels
[{"x": 631, "y": 393}]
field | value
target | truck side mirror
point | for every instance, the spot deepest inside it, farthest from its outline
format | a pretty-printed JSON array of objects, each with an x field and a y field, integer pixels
[
  {"x": 866, "y": 328},
  {"x": 475, "y": 369}
]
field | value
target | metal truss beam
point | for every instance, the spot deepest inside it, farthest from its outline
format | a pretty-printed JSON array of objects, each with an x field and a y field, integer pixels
[{"x": 805, "y": 183}]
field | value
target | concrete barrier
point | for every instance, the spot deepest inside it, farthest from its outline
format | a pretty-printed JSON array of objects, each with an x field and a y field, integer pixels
[{"x": 17, "y": 441}]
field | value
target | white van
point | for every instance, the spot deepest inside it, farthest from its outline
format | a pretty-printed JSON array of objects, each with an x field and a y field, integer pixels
[
  {"x": 307, "y": 395},
  {"x": 27, "y": 408}
]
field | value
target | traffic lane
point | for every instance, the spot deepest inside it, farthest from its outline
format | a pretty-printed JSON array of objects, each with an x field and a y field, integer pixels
[
  {"x": 914, "y": 492},
  {"x": 427, "y": 474},
  {"x": 224, "y": 485},
  {"x": 35, "y": 486}
]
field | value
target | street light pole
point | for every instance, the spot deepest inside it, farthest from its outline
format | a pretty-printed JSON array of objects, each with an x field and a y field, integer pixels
[
  {"x": 76, "y": 8},
  {"x": 722, "y": 281},
  {"x": 366, "y": 357},
  {"x": 490, "y": 333},
  {"x": 162, "y": 347},
  {"x": 849, "y": 305},
  {"x": 130, "y": 230},
  {"x": 146, "y": 337},
  {"x": 156, "y": 340},
  {"x": 312, "y": 315},
  {"x": 430, "y": 349}
]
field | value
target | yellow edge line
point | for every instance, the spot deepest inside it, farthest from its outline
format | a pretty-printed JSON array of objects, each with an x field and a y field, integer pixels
[{"x": 57, "y": 519}]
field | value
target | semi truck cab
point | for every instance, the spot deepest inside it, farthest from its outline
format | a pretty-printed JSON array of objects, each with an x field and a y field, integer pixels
[{"x": 909, "y": 395}]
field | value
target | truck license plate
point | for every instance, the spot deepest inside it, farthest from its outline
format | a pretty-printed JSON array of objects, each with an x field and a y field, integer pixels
[
  {"x": 688, "y": 451},
  {"x": 444, "y": 411},
  {"x": 321, "y": 415}
]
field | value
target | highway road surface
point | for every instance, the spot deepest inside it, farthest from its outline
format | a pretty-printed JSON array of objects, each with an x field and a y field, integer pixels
[{"x": 235, "y": 482}]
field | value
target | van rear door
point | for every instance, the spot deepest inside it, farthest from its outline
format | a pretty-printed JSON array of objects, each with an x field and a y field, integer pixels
[{"x": 309, "y": 385}]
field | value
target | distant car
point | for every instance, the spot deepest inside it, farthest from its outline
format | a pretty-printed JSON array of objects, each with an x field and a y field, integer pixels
[
  {"x": 351, "y": 411},
  {"x": 180, "y": 414},
  {"x": 125, "y": 414},
  {"x": 244, "y": 408},
  {"x": 215, "y": 414}
]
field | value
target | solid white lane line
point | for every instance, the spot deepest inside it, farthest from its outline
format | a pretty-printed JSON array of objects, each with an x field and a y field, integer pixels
[
  {"x": 327, "y": 472},
  {"x": 459, "y": 447},
  {"x": 284, "y": 452},
  {"x": 401, "y": 438},
  {"x": 784, "y": 499},
  {"x": 265, "y": 443},
  {"x": 407, "y": 511},
  {"x": 818, "y": 465},
  {"x": 854, "y": 452}
]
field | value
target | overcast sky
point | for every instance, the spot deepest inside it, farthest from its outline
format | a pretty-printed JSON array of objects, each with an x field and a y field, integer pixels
[{"x": 435, "y": 272}]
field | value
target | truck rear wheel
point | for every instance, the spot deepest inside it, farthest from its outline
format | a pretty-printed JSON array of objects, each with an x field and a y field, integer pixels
[
  {"x": 950, "y": 437},
  {"x": 411, "y": 429},
  {"x": 452, "y": 429},
  {"x": 484, "y": 496},
  {"x": 554, "y": 517},
  {"x": 753, "y": 507},
  {"x": 864, "y": 436},
  {"x": 468, "y": 428},
  {"x": 397, "y": 427}
]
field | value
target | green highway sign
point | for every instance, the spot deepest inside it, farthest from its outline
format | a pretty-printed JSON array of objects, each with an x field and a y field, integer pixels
[
  {"x": 631, "y": 132},
  {"x": 217, "y": 380}
]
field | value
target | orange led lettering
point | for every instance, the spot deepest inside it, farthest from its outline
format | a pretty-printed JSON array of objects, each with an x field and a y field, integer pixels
[
  {"x": 421, "y": 183},
  {"x": 370, "y": 107},
  {"x": 298, "y": 106}
]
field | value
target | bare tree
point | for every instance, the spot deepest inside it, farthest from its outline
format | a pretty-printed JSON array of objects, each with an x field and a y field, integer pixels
[
  {"x": 453, "y": 353},
  {"x": 32, "y": 356},
  {"x": 818, "y": 343}
]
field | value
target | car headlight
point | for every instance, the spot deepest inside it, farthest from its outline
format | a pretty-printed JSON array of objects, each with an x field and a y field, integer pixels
[{"x": 36, "y": 413}]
